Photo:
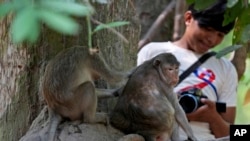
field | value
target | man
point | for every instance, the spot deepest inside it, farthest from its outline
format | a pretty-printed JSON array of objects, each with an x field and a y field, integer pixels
[{"x": 216, "y": 78}]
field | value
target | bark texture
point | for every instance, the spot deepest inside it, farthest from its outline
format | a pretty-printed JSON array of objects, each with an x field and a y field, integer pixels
[{"x": 71, "y": 131}]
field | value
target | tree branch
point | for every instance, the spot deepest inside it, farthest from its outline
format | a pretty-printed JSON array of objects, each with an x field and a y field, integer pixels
[
  {"x": 239, "y": 58},
  {"x": 178, "y": 19},
  {"x": 156, "y": 25}
]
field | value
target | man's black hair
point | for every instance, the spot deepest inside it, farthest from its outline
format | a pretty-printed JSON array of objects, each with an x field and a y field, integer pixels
[{"x": 212, "y": 16}]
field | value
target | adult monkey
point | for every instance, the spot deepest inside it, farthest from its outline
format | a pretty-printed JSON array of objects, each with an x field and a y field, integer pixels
[
  {"x": 147, "y": 104},
  {"x": 68, "y": 86}
]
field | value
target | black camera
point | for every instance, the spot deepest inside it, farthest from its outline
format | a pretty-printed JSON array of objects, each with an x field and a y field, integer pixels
[{"x": 190, "y": 101}]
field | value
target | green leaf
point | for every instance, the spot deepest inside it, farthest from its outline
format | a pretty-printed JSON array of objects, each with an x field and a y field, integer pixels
[
  {"x": 21, "y": 4},
  {"x": 203, "y": 4},
  {"x": 231, "y": 3},
  {"x": 242, "y": 22},
  {"x": 110, "y": 25},
  {"x": 245, "y": 37},
  {"x": 233, "y": 12},
  {"x": 227, "y": 50},
  {"x": 67, "y": 7},
  {"x": 190, "y": 1},
  {"x": 5, "y": 8},
  {"x": 24, "y": 24},
  {"x": 59, "y": 22},
  {"x": 34, "y": 34}
]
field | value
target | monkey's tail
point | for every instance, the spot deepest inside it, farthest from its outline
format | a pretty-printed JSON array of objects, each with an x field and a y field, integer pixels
[{"x": 54, "y": 121}]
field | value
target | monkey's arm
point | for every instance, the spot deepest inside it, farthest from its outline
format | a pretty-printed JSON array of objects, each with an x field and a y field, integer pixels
[
  {"x": 179, "y": 113},
  {"x": 180, "y": 116}
]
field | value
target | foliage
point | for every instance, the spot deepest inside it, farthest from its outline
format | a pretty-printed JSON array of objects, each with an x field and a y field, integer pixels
[
  {"x": 28, "y": 15},
  {"x": 243, "y": 97},
  {"x": 237, "y": 9},
  {"x": 227, "y": 50},
  {"x": 243, "y": 103}
]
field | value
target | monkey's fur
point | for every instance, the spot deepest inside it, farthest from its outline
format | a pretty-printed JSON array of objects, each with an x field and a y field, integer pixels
[
  {"x": 68, "y": 86},
  {"x": 147, "y": 104}
]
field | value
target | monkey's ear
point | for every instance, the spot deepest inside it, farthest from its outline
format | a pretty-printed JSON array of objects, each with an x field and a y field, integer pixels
[{"x": 156, "y": 62}]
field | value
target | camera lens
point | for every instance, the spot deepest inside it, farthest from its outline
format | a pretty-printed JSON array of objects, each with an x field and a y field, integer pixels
[{"x": 188, "y": 102}]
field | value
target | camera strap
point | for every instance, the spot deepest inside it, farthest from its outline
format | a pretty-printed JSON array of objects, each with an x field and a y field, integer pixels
[{"x": 195, "y": 65}]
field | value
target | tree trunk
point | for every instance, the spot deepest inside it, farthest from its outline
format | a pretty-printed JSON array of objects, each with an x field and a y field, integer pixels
[{"x": 22, "y": 66}]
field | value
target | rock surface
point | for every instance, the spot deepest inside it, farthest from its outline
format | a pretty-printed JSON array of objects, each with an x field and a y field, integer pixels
[{"x": 73, "y": 131}]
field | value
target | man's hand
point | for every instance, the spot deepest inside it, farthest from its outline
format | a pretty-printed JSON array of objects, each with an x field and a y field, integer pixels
[
  {"x": 219, "y": 123},
  {"x": 204, "y": 113}
]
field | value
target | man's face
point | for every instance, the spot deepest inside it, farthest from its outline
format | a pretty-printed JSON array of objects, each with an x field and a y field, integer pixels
[{"x": 201, "y": 39}]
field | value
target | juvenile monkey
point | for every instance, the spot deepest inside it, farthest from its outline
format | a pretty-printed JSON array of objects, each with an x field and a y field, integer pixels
[
  {"x": 68, "y": 86},
  {"x": 147, "y": 105}
]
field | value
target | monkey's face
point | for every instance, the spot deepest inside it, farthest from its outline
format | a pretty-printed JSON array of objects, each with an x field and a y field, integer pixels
[
  {"x": 171, "y": 73},
  {"x": 168, "y": 67}
]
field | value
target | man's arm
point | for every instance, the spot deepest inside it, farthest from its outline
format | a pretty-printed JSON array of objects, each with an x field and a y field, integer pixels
[{"x": 219, "y": 123}]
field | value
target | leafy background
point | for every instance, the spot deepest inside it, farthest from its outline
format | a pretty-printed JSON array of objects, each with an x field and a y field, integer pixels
[{"x": 243, "y": 97}]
